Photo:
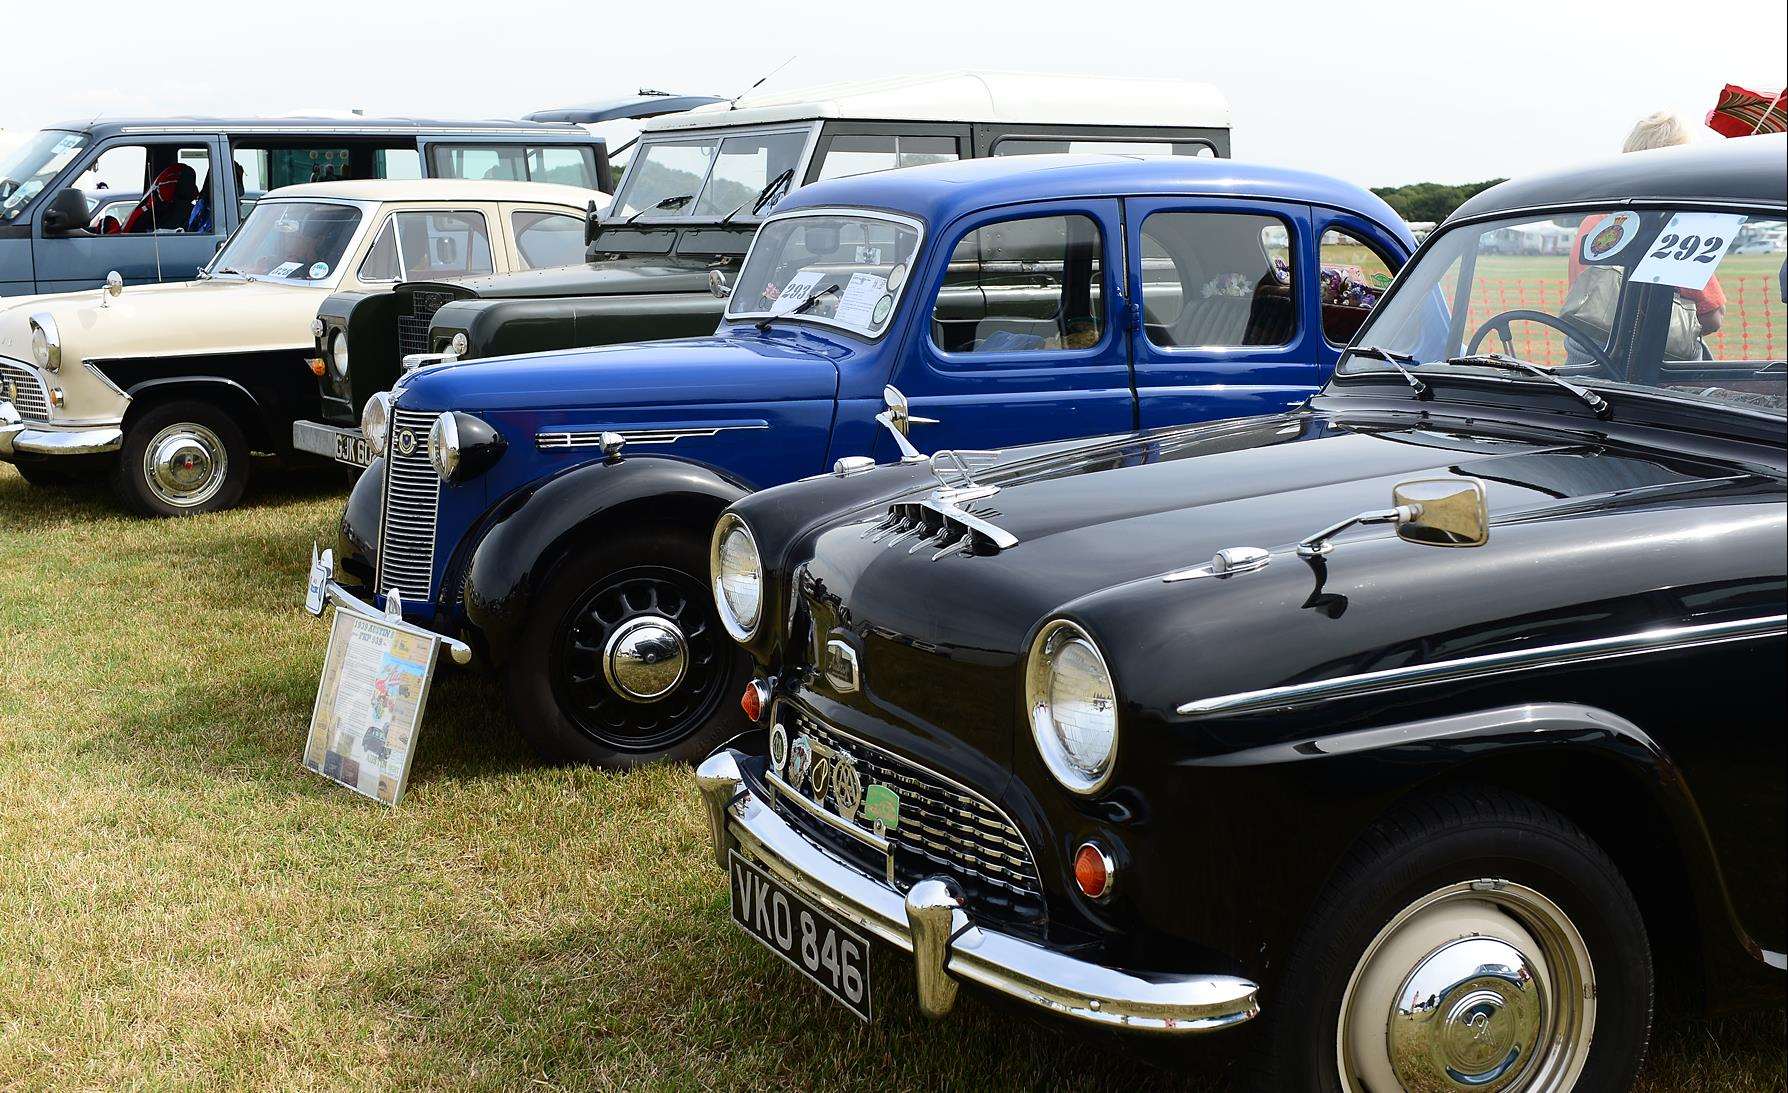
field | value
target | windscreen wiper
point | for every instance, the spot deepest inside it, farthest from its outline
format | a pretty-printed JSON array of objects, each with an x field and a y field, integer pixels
[
  {"x": 780, "y": 182},
  {"x": 1396, "y": 360},
  {"x": 800, "y": 308},
  {"x": 676, "y": 202},
  {"x": 1515, "y": 364}
]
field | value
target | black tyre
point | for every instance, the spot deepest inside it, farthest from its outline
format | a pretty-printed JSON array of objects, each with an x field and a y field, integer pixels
[
  {"x": 1477, "y": 941},
  {"x": 182, "y": 459},
  {"x": 623, "y": 659}
]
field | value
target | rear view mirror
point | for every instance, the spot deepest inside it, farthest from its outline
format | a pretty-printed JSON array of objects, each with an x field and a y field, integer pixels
[
  {"x": 1442, "y": 512},
  {"x": 66, "y": 212}
]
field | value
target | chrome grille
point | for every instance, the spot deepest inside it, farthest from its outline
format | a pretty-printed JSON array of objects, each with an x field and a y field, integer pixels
[
  {"x": 412, "y": 494},
  {"x": 29, "y": 396},
  {"x": 412, "y": 329},
  {"x": 943, "y": 828}
]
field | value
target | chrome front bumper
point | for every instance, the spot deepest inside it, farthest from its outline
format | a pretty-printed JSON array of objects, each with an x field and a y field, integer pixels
[
  {"x": 17, "y": 435},
  {"x": 322, "y": 591},
  {"x": 930, "y": 922}
]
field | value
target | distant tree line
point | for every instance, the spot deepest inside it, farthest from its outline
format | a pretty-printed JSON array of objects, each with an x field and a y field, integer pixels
[{"x": 1430, "y": 200}]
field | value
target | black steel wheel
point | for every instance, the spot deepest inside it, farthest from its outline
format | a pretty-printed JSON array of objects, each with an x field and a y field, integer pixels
[{"x": 624, "y": 660}]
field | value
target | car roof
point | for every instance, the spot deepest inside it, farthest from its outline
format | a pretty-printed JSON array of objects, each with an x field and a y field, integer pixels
[
  {"x": 107, "y": 126},
  {"x": 441, "y": 189},
  {"x": 975, "y": 96},
  {"x": 939, "y": 192},
  {"x": 1745, "y": 170},
  {"x": 646, "y": 104}
]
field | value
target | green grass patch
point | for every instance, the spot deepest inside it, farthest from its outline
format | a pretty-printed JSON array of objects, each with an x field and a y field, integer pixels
[{"x": 181, "y": 905}]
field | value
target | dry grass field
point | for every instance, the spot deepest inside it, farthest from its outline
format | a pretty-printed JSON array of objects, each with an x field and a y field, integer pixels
[{"x": 181, "y": 905}]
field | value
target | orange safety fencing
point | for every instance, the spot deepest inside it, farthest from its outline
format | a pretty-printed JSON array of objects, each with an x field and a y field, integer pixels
[{"x": 1753, "y": 329}]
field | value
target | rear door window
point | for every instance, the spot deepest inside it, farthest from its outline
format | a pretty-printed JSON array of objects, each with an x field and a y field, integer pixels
[
  {"x": 1217, "y": 279},
  {"x": 1022, "y": 286}
]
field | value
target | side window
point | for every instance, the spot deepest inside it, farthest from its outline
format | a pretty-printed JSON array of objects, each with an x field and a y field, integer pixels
[
  {"x": 860, "y": 154},
  {"x": 1354, "y": 276},
  {"x": 1022, "y": 286},
  {"x": 420, "y": 246},
  {"x": 1033, "y": 146},
  {"x": 137, "y": 189},
  {"x": 1217, "y": 279},
  {"x": 1739, "y": 315},
  {"x": 399, "y": 163},
  {"x": 548, "y": 239},
  {"x": 480, "y": 161},
  {"x": 381, "y": 262},
  {"x": 564, "y": 164}
]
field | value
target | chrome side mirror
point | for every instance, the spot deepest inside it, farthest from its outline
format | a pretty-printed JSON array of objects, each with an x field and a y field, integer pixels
[
  {"x": 114, "y": 288},
  {"x": 897, "y": 418},
  {"x": 1430, "y": 511},
  {"x": 1450, "y": 512},
  {"x": 717, "y": 287}
]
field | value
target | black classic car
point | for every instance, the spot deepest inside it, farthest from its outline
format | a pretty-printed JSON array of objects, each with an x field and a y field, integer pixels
[
  {"x": 656, "y": 263},
  {"x": 1437, "y": 723}
]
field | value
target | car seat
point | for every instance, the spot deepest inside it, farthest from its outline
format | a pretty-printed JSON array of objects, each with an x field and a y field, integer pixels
[{"x": 168, "y": 204}]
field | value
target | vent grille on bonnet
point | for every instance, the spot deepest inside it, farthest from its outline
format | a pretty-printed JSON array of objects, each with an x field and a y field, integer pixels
[{"x": 941, "y": 525}]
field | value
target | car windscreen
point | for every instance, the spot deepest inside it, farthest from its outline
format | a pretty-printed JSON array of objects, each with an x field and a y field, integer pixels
[
  {"x": 840, "y": 270},
  {"x": 33, "y": 165},
  {"x": 298, "y": 242},
  {"x": 706, "y": 177},
  {"x": 1550, "y": 290}
]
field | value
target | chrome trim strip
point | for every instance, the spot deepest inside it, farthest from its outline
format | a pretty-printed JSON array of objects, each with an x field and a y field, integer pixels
[
  {"x": 1448, "y": 671},
  {"x": 1160, "y": 1002},
  {"x": 837, "y": 823},
  {"x": 592, "y": 438}
]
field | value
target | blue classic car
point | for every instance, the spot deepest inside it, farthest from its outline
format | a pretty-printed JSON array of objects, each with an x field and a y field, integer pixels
[{"x": 552, "y": 511}]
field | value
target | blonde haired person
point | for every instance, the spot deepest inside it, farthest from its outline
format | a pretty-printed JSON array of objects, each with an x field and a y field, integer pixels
[{"x": 1660, "y": 130}]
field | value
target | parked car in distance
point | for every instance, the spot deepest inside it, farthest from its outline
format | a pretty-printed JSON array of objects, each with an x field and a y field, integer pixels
[
  {"x": 1437, "y": 721},
  {"x": 141, "y": 197},
  {"x": 170, "y": 388},
  {"x": 699, "y": 183},
  {"x": 553, "y": 510}
]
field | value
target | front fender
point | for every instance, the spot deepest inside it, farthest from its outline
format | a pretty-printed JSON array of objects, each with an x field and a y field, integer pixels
[{"x": 531, "y": 531}]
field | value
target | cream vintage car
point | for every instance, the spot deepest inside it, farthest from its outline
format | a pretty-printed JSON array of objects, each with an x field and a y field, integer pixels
[{"x": 172, "y": 388}]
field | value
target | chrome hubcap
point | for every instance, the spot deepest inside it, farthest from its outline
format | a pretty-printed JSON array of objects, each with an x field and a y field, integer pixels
[
  {"x": 1483, "y": 986},
  {"x": 1469, "y": 1014},
  {"x": 646, "y": 658},
  {"x": 185, "y": 464}
]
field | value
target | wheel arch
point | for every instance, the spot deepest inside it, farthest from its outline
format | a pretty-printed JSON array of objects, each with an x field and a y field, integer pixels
[
  {"x": 532, "y": 531},
  {"x": 227, "y": 394},
  {"x": 1610, "y": 778}
]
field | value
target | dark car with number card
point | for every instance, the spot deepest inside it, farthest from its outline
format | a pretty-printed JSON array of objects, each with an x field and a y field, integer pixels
[
  {"x": 1425, "y": 731},
  {"x": 697, "y": 186},
  {"x": 553, "y": 509}
]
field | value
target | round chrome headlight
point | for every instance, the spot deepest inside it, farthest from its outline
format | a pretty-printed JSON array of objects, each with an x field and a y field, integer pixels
[
  {"x": 459, "y": 344},
  {"x": 443, "y": 446},
  {"x": 46, "y": 343},
  {"x": 338, "y": 353},
  {"x": 375, "y": 422},
  {"x": 738, "y": 577},
  {"x": 1072, "y": 706}
]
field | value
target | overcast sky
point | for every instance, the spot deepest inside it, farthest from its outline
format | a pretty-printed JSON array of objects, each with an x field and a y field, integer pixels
[{"x": 1381, "y": 94}]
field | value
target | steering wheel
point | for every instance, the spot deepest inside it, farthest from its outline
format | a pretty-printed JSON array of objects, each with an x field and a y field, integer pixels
[{"x": 1583, "y": 337}]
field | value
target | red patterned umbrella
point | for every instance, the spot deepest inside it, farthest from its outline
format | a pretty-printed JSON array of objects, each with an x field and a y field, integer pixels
[{"x": 1739, "y": 112}]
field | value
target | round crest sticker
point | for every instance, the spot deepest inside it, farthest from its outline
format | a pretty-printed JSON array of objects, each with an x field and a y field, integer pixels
[
  {"x": 1610, "y": 236},
  {"x": 319, "y": 270},
  {"x": 882, "y": 307},
  {"x": 897, "y": 277}
]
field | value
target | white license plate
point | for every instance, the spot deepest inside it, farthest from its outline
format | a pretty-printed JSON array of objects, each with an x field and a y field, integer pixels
[
  {"x": 352, "y": 449},
  {"x": 820, "y": 947}
]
